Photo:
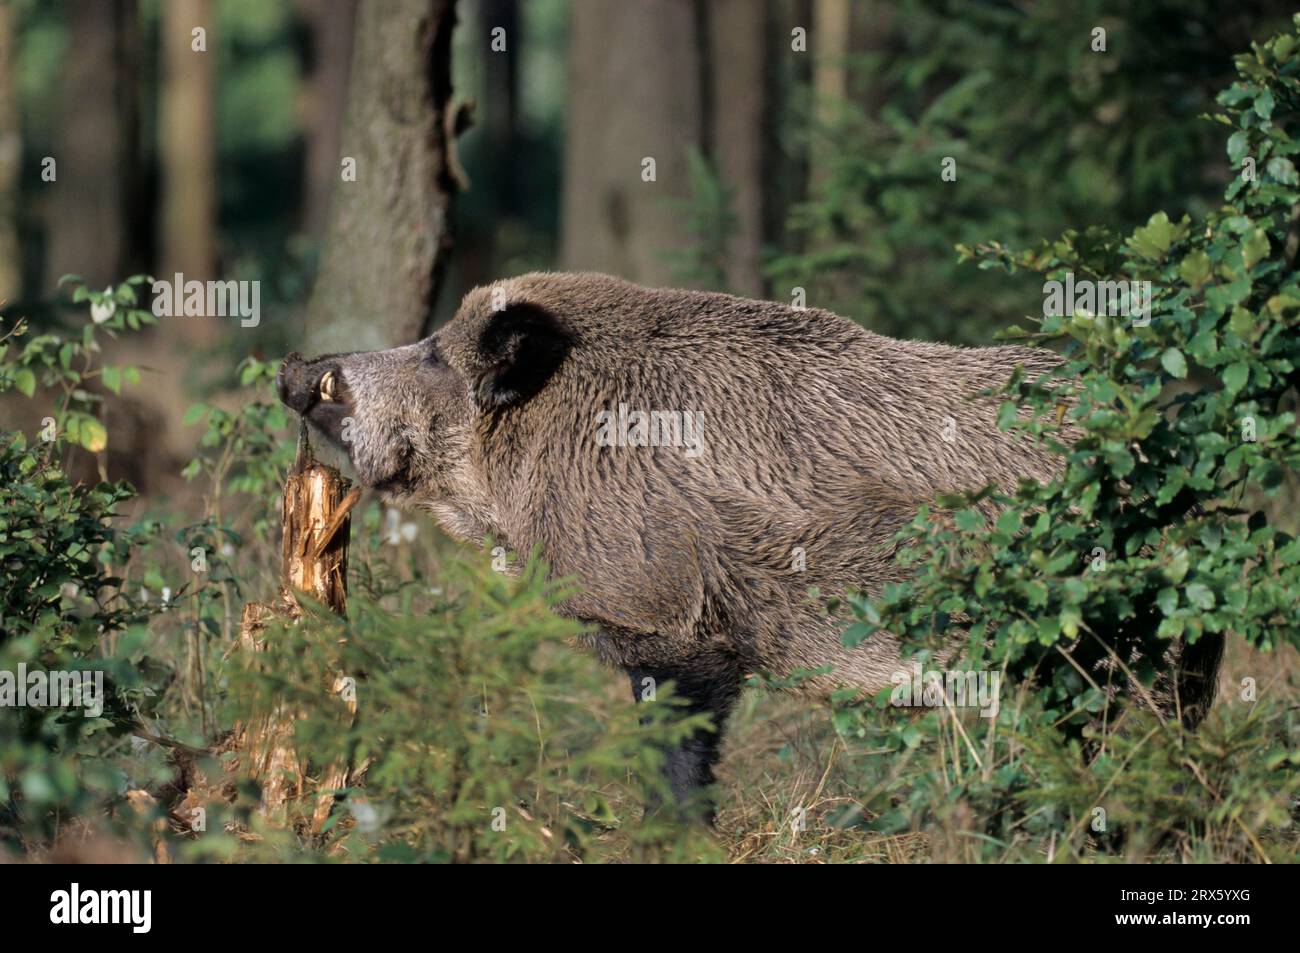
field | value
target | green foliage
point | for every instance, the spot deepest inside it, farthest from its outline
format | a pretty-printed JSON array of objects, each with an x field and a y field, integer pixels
[
  {"x": 1160, "y": 527},
  {"x": 244, "y": 451},
  {"x": 474, "y": 716},
  {"x": 57, "y": 542},
  {"x": 710, "y": 222},
  {"x": 1015, "y": 789},
  {"x": 67, "y": 364},
  {"x": 65, "y": 605},
  {"x": 1045, "y": 132}
]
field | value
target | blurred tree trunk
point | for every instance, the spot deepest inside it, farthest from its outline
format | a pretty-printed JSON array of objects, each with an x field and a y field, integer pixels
[
  {"x": 389, "y": 229},
  {"x": 634, "y": 93},
  {"x": 872, "y": 32},
  {"x": 656, "y": 80},
  {"x": 187, "y": 147},
  {"x": 787, "y": 168},
  {"x": 739, "y": 56},
  {"x": 501, "y": 98},
  {"x": 493, "y": 235},
  {"x": 95, "y": 148},
  {"x": 10, "y": 161},
  {"x": 830, "y": 49},
  {"x": 332, "y": 25}
]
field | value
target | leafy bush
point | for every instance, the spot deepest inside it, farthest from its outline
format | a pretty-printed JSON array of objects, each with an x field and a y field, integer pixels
[
  {"x": 1162, "y": 526},
  {"x": 476, "y": 722},
  {"x": 63, "y": 606},
  {"x": 476, "y": 726},
  {"x": 1046, "y": 131}
]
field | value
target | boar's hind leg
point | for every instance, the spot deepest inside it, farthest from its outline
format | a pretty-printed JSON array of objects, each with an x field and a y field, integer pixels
[{"x": 709, "y": 685}]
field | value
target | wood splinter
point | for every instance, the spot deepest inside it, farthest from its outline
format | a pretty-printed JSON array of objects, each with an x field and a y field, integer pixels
[{"x": 317, "y": 525}]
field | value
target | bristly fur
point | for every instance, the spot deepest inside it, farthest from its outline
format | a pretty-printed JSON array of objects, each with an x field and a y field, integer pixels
[{"x": 820, "y": 439}]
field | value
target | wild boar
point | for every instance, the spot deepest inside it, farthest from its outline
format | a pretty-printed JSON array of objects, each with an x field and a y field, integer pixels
[{"x": 697, "y": 461}]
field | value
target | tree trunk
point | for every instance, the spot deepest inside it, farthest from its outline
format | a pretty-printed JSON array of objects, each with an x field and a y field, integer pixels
[
  {"x": 504, "y": 153},
  {"x": 655, "y": 80},
  {"x": 332, "y": 31},
  {"x": 634, "y": 93},
  {"x": 831, "y": 25},
  {"x": 501, "y": 82},
  {"x": 86, "y": 212},
  {"x": 10, "y": 161},
  {"x": 389, "y": 230},
  {"x": 830, "y": 46},
  {"x": 186, "y": 147},
  {"x": 739, "y": 54}
]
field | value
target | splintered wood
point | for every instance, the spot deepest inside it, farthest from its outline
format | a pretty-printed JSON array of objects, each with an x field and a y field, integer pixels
[{"x": 317, "y": 504}]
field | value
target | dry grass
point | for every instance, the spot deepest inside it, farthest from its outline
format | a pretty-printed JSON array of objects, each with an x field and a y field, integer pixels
[{"x": 782, "y": 755}]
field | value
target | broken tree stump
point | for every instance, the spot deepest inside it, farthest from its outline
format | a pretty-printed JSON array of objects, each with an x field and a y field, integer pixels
[{"x": 314, "y": 552}]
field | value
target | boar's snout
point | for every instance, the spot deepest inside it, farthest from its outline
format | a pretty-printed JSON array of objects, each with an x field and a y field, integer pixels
[{"x": 297, "y": 382}]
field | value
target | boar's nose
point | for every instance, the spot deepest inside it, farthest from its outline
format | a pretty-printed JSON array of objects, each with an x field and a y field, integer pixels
[{"x": 296, "y": 383}]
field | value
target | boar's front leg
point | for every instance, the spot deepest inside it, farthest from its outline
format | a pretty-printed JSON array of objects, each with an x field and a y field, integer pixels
[{"x": 710, "y": 685}]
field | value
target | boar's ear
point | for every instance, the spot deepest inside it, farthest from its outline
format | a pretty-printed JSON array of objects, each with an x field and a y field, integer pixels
[{"x": 521, "y": 347}]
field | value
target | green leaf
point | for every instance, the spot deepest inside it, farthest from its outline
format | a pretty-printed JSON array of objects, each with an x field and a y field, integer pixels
[
  {"x": 1069, "y": 620},
  {"x": 1264, "y": 105},
  {"x": 1155, "y": 238},
  {"x": 1243, "y": 323},
  {"x": 1200, "y": 596},
  {"x": 1235, "y": 377},
  {"x": 1167, "y": 600},
  {"x": 1237, "y": 143},
  {"x": 1195, "y": 269},
  {"x": 1009, "y": 522},
  {"x": 1283, "y": 170},
  {"x": 25, "y": 381},
  {"x": 92, "y": 435},
  {"x": 1174, "y": 362},
  {"x": 1255, "y": 249},
  {"x": 1176, "y": 569}
]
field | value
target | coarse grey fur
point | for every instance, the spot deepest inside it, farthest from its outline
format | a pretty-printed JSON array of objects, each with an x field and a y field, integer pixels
[{"x": 819, "y": 441}]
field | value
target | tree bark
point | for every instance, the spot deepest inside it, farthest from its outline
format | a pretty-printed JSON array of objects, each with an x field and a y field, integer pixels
[
  {"x": 501, "y": 81},
  {"x": 503, "y": 151},
  {"x": 634, "y": 93},
  {"x": 657, "y": 79},
  {"x": 186, "y": 147},
  {"x": 86, "y": 211},
  {"x": 332, "y": 31},
  {"x": 738, "y": 58},
  {"x": 830, "y": 47},
  {"x": 389, "y": 233}
]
